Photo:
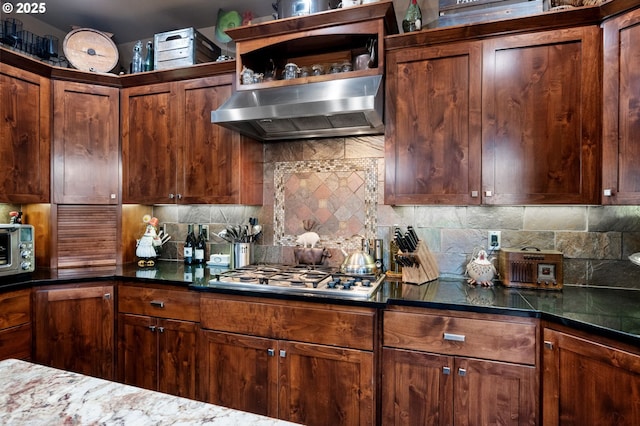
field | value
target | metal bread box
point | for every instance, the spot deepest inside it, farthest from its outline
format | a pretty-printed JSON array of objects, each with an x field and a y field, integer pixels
[
  {"x": 531, "y": 268},
  {"x": 182, "y": 48}
]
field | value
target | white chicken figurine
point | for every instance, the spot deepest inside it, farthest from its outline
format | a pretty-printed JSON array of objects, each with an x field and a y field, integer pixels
[{"x": 481, "y": 270}]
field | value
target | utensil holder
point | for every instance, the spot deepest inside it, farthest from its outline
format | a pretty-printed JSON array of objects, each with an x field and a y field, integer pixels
[
  {"x": 425, "y": 271},
  {"x": 241, "y": 254}
]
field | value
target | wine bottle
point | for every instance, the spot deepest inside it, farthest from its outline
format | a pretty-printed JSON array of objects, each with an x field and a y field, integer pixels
[
  {"x": 201, "y": 247},
  {"x": 136, "y": 61},
  {"x": 148, "y": 60},
  {"x": 413, "y": 18},
  {"x": 189, "y": 246}
]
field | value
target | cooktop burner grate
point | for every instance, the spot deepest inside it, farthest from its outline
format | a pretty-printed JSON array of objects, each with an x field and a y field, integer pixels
[{"x": 298, "y": 280}]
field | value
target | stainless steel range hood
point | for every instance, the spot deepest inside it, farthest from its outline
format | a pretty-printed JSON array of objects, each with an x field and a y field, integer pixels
[{"x": 341, "y": 107}]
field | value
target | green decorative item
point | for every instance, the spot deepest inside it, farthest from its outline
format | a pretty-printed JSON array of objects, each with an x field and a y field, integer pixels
[{"x": 227, "y": 20}]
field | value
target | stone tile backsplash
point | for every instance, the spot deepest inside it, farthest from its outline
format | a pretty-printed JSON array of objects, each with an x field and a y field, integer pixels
[{"x": 596, "y": 240}]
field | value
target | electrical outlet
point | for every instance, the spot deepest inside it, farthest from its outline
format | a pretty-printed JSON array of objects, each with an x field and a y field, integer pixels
[
  {"x": 494, "y": 240},
  {"x": 205, "y": 231}
]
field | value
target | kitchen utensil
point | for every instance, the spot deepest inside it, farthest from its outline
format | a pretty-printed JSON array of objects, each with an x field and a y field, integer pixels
[{"x": 358, "y": 262}]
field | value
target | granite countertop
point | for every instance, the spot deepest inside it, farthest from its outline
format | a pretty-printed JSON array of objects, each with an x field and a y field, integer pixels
[
  {"x": 610, "y": 312},
  {"x": 32, "y": 394}
]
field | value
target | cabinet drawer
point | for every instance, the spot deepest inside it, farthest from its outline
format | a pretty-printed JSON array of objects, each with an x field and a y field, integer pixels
[
  {"x": 15, "y": 308},
  {"x": 165, "y": 303},
  {"x": 16, "y": 342},
  {"x": 350, "y": 327},
  {"x": 479, "y": 338}
]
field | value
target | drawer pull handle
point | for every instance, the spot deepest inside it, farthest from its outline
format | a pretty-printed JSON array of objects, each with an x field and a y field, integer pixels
[
  {"x": 107, "y": 296},
  {"x": 446, "y": 370},
  {"x": 271, "y": 352},
  {"x": 462, "y": 372},
  {"x": 157, "y": 304},
  {"x": 548, "y": 345},
  {"x": 152, "y": 327},
  {"x": 161, "y": 329},
  {"x": 454, "y": 337},
  {"x": 283, "y": 353}
]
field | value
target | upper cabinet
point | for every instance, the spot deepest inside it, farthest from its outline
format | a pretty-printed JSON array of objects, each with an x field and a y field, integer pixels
[
  {"x": 25, "y": 136},
  {"x": 540, "y": 118},
  {"x": 530, "y": 135},
  {"x": 86, "y": 147},
  {"x": 324, "y": 38},
  {"x": 621, "y": 118},
  {"x": 172, "y": 153}
]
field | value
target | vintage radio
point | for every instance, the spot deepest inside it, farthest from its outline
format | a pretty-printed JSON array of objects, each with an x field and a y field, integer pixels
[{"x": 531, "y": 268}]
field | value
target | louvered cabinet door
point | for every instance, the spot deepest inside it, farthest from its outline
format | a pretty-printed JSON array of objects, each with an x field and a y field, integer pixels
[{"x": 85, "y": 236}]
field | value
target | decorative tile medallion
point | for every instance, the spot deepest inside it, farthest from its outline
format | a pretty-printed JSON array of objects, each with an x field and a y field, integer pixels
[{"x": 338, "y": 196}]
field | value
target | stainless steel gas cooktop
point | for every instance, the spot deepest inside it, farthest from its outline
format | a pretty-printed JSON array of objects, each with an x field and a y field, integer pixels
[{"x": 318, "y": 281}]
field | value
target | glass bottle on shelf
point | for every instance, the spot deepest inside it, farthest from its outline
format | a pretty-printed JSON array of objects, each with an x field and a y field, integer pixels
[
  {"x": 189, "y": 246},
  {"x": 201, "y": 247},
  {"x": 412, "y": 18},
  {"x": 136, "y": 61},
  {"x": 148, "y": 60}
]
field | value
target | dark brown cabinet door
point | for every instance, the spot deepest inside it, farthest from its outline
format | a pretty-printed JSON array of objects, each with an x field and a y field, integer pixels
[
  {"x": 74, "y": 329},
  {"x": 25, "y": 136},
  {"x": 621, "y": 110},
  {"x": 239, "y": 372},
  {"x": 151, "y": 128},
  {"x": 541, "y": 138},
  {"x": 588, "y": 383},
  {"x": 177, "y": 357},
  {"x": 432, "y": 134},
  {"x": 158, "y": 354},
  {"x": 85, "y": 143},
  {"x": 138, "y": 351},
  {"x": 323, "y": 385},
  {"x": 491, "y": 392},
  {"x": 417, "y": 388},
  {"x": 218, "y": 165}
]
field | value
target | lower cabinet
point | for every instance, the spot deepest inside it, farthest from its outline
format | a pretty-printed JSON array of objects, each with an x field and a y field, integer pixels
[
  {"x": 589, "y": 381},
  {"x": 74, "y": 328},
  {"x": 445, "y": 368},
  {"x": 274, "y": 358},
  {"x": 15, "y": 324},
  {"x": 157, "y": 338}
]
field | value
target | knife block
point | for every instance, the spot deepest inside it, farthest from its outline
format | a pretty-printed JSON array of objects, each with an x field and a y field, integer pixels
[{"x": 425, "y": 271}]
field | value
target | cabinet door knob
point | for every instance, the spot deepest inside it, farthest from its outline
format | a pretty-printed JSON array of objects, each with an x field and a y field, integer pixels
[
  {"x": 157, "y": 303},
  {"x": 179, "y": 196},
  {"x": 172, "y": 196},
  {"x": 462, "y": 372},
  {"x": 608, "y": 192},
  {"x": 454, "y": 337},
  {"x": 283, "y": 353},
  {"x": 548, "y": 345},
  {"x": 446, "y": 370},
  {"x": 271, "y": 352},
  {"x": 152, "y": 327},
  {"x": 474, "y": 194},
  {"x": 107, "y": 296},
  {"x": 488, "y": 193},
  {"x": 161, "y": 329}
]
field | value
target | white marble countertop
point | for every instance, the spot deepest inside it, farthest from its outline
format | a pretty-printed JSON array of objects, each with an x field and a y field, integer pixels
[{"x": 32, "y": 394}]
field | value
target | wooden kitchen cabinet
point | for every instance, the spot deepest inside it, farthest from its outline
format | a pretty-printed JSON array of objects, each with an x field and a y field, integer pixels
[
  {"x": 451, "y": 368},
  {"x": 514, "y": 123},
  {"x": 15, "y": 324},
  {"x": 74, "y": 328},
  {"x": 621, "y": 120},
  {"x": 86, "y": 148},
  {"x": 265, "y": 356},
  {"x": 589, "y": 381},
  {"x": 157, "y": 338},
  {"x": 541, "y": 138},
  {"x": 433, "y": 129},
  {"x": 25, "y": 136},
  {"x": 171, "y": 152}
]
